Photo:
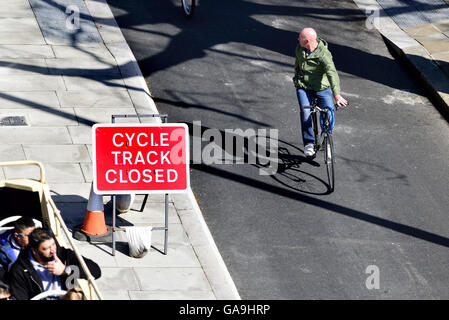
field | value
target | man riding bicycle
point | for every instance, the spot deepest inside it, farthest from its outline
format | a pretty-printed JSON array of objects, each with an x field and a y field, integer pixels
[{"x": 315, "y": 77}]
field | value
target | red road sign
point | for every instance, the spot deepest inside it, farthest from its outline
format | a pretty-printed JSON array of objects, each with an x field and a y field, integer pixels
[{"x": 140, "y": 158}]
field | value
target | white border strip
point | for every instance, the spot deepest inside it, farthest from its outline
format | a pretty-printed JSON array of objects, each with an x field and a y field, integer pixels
[{"x": 141, "y": 125}]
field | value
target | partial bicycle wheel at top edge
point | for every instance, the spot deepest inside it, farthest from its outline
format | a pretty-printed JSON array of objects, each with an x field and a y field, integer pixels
[{"x": 188, "y": 6}]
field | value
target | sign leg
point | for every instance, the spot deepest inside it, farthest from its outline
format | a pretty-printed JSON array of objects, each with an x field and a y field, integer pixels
[
  {"x": 113, "y": 224},
  {"x": 166, "y": 224}
]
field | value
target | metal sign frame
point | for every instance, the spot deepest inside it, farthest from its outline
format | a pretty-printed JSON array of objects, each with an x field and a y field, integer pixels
[{"x": 113, "y": 196}]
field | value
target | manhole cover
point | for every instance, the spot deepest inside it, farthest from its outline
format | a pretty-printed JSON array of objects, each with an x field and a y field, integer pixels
[{"x": 13, "y": 121}]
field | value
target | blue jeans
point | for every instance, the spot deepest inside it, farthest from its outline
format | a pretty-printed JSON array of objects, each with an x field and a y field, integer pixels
[{"x": 305, "y": 98}]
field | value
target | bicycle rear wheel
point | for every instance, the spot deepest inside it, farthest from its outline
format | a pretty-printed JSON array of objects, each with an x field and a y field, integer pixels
[
  {"x": 329, "y": 160},
  {"x": 188, "y": 6}
]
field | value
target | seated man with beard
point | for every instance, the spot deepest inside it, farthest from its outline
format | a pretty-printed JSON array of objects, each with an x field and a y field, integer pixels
[{"x": 44, "y": 266}]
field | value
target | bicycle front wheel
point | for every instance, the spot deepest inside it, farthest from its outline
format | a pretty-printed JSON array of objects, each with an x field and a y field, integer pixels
[
  {"x": 188, "y": 6},
  {"x": 329, "y": 160}
]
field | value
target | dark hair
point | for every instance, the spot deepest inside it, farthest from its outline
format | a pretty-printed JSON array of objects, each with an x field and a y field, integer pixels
[
  {"x": 38, "y": 236},
  {"x": 23, "y": 223}
]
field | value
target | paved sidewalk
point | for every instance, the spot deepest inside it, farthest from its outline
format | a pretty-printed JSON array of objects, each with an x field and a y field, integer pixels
[
  {"x": 60, "y": 78},
  {"x": 418, "y": 31}
]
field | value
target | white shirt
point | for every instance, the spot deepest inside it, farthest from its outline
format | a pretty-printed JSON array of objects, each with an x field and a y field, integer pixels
[{"x": 49, "y": 281}]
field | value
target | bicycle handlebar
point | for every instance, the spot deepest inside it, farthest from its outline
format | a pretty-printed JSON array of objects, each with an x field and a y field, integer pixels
[{"x": 337, "y": 108}]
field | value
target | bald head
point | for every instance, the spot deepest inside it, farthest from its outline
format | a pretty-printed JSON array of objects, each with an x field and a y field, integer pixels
[
  {"x": 308, "y": 39},
  {"x": 308, "y": 33}
]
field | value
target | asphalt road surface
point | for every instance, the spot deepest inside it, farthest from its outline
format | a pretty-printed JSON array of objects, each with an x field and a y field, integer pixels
[{"x": 383, "y": 233}]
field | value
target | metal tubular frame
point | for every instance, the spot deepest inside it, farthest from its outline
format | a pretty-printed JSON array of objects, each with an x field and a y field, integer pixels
[
  {"x": 60, "y": 220},
  {"x": 114, "y": 210}
]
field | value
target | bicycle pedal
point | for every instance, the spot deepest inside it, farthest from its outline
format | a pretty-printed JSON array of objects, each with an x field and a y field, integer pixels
[{"x": 311, "y": 157}]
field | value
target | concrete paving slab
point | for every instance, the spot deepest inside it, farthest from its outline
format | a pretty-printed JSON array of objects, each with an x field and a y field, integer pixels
[
  {"x": 178, "y": 256},
  {"x": 55, "y": 172},
  {"x": 87, "y": 171},
  {"x": 35, "y": 135},
  {"x": 96, "y": 51},
  {"x": 30, "y": 38},
  {"x": 172, "y": 279},
  {"x": 104, "y": 115},
  {"x": 422, "y": 30},
  {"x": 73, "y": 214},
  {"x": 45, "y": 118},
  {"x": 170, "y": 295},
  {"x": 445, "y": 97},
  {"x": 60, "y": 117},
  {"x": 188, "y": 220},
  {"x": 183, "y": 202},
  {"x": 31, "y": 83},
  {"x": 441, "y": 58},
  {"x": 434, "y": 43},
  {"x": 153, "y": 198},
  {"x": 118, "y": 279},
  {"x": 176, "y": 235},
  {"x": 91, "y": 67},
  {"x": 89, "y": 149},
  {"x": 442, "y": 26},
  {"x": 8, "y": 152},
  {"x": 16, "y": 9},
  {"x": 100, "y": 253},
  {"x": 400, "y": 39},
  {"x": 11, "y": 100},
  {"x": 116, "y": 294},
  {"x": 81, "y": 134},
  {"x": 77, "y": 83},
  {"x": 141, "y": 104},
  {"x": 96, "y": 98},
  {"x": 56, "y": 20},
  {"x": 217, "y": 278},
  {"x": 8, "y": 11},
  {"x": 109, "y": 33},
  {"x": 23, "y": 66},
  {"x": 153, "y": 214},
  {"x": 70, "y": 192},
  {"x": 25, "y": 51},
  {"x": 57, "y": 153},
  {"x": 18, "y": 25},
  {"x": 106, "y": 74},
  {"x": 16, "y": 4}
]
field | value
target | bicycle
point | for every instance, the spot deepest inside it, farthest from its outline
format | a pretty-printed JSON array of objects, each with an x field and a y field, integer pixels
[
  {"x": 188, "y": 7},
  {"x": 324, "y": 140}
]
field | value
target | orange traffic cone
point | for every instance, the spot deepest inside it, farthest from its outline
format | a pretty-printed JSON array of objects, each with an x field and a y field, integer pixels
[
  {"x": 94, "y": 222},
  {"x": 94, "y": 227}
]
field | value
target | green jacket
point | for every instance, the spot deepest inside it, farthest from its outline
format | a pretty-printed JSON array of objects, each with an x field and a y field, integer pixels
[{"x": 317, "y": 71}]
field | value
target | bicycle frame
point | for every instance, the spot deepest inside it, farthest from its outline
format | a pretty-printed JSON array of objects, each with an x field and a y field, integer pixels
[
  {"x": 325, "y": 131},
  {"x": 324, "y": 140}
]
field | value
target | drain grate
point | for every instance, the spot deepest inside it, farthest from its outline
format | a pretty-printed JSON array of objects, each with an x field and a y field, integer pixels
[{"x": 13, "y": 121}]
